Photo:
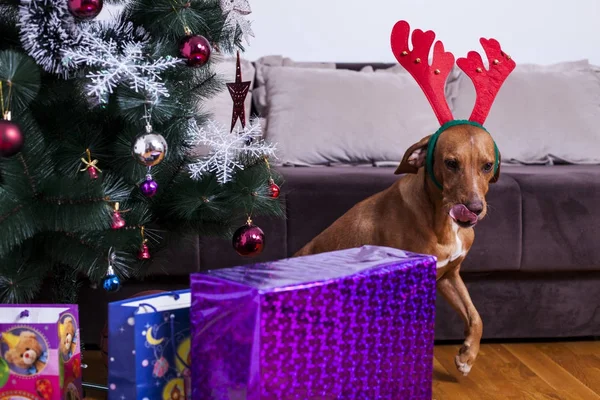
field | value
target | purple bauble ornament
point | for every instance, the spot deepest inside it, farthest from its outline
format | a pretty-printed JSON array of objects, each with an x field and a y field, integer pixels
[
  {"x": 149, "y": 187},
  {"x": 249, "y": 240}
]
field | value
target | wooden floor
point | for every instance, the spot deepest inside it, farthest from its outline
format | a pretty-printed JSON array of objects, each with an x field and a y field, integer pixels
[
  {"x": 557, "y": 371},
  {"x": 565, "y": 371}
]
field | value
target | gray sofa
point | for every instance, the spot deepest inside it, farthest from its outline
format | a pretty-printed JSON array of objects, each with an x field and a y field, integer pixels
[{"x": 533, "y": 272}]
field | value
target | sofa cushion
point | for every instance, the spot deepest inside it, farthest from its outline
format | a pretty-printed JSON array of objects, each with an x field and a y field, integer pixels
[
  {"x": 262, "y": 67},
  {"x": 561, "y": 217},
  {"x": 542, "y": 113},
  {"x": 316, "y": 197},
  {"x": 451, "y": 88},
  {"x": 319, "y": 116}
]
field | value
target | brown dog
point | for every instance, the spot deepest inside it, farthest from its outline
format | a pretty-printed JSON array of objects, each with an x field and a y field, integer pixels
[
  {"x": 433, "y": 210},
  {"x": 414, "y": 215}
]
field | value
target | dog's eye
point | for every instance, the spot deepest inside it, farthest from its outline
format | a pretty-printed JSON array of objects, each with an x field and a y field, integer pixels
[
  {"x": 451, "y": 164},
  {"x": 487, "y": 167}
]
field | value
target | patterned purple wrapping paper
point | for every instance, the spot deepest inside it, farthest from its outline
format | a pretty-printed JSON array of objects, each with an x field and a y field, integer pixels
[{"x": 354, "y": 324}]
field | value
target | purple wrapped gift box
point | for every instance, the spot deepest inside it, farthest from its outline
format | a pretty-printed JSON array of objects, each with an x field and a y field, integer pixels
[{"x": 354, "y": 324}]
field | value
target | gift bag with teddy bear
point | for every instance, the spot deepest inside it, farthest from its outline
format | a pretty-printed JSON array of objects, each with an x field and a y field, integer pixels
[{"x": 39, "y": 352}]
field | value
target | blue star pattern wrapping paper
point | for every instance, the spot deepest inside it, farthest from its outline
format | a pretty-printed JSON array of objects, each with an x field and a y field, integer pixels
[
  {"x": 149, "y": 347},
  {"x": 355, "y": 324}
]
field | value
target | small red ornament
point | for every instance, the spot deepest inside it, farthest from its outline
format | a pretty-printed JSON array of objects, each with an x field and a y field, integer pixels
[
  {"x": 144, "y": 253},
  {"x": 274, "y": 189},
  {"x": 117, "y": 220},
  {"x": 11, "y": 138},
  {"x": 195, "y": 49},
  {"x": 90, "y": 165},
  {"x": 93, "y": 172},
  {"x": 249, "y": 240},
  {"x": 85, "y": 9}
]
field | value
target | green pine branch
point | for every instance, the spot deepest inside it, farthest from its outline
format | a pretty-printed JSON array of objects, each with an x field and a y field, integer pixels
[{"x": 55, "y": 222}]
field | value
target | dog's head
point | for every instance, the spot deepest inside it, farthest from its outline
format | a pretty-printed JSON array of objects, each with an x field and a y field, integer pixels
[
  {"x": 464, "y": 165},
  {"x": 463, "y": 158}
]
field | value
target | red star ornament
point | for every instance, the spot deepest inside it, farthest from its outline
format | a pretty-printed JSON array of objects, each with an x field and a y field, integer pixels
[{"x": 238, "y": 91}]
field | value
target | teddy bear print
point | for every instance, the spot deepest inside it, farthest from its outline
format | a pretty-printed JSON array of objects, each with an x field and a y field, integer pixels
[
  {"x": 25, "y": 352},
  {"x": 67, "y": 334}
]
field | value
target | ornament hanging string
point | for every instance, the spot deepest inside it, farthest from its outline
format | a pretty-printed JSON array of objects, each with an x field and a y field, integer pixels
[
  {"x": 11, "y": 137},
  {"x": 5, "y": 106},
  {"x": 186, "y": 29},
  {"x": 271, "y": 181},
  {"x": 147, "y": 116},
  {"x": 274, "y": 189}
]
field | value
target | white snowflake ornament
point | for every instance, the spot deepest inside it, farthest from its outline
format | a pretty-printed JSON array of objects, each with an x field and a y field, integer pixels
[
  {"x": 236, "y": 11},
  {"x": 115, "y": 67},
  {"x": 225, "y": 149}
]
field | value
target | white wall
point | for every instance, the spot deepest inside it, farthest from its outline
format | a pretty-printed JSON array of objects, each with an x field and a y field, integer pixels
[{"x": 532, "y": 31}]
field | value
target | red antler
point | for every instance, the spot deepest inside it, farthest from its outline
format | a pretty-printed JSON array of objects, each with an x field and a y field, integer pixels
[
  {"x": 431, "y": 78},
  {"x": 487, "y": 82}
]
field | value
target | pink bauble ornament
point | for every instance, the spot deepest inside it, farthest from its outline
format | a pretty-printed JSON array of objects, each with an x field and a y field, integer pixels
[
  {"x": 85, "y": 9},
  {"x": 249, "y": 240},
  {"x": 11, "y": 138},
  {"x": 195, "y": 49}
]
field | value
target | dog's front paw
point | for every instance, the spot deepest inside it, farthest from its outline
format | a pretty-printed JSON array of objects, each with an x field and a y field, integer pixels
[{"x": 465, "y": 359}]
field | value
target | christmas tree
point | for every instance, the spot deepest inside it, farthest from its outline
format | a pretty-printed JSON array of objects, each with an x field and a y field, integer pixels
[{"x": 103, "y": 145}]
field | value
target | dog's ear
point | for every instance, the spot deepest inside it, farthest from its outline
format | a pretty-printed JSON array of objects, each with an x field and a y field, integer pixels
[
  {"x": 497, "y": 174},
  {"x": 414, "y": 158}
]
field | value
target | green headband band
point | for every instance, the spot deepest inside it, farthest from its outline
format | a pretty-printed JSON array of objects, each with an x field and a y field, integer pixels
[{"x": 436, "y": 136}]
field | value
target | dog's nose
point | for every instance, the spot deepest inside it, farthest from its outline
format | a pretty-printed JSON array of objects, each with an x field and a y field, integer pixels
[{"x": 476, "y": 207}]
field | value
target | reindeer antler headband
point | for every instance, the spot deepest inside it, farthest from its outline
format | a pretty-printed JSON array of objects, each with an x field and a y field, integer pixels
[{"x": 432, "y": 78}]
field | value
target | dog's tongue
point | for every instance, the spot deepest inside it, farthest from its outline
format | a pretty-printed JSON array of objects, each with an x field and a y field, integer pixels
[{"x": 461, "y": 213}]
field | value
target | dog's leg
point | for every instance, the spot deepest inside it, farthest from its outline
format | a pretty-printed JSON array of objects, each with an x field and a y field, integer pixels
[{"x": 452, "y": 287}]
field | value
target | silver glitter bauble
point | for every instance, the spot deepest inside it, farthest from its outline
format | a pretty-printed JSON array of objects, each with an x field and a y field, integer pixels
[{"x": 149, "y": 149}]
